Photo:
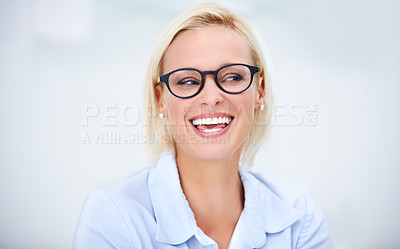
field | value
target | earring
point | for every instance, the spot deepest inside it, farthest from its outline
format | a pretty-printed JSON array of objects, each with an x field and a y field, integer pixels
[
  {"x": 161, "y": 115},
  {"x": 262, "y": 107}
]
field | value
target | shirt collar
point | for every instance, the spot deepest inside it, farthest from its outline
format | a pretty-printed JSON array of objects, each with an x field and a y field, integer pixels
[
  {"x": 264, "y": 211},
  {"x": 174, "y": 222}
]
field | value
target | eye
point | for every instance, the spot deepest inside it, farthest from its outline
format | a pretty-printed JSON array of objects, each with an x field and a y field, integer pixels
[
  {"x": 232, "y": 78},
  {"x": 188, "y": 82},
  {"x": 235, "y": 77}
]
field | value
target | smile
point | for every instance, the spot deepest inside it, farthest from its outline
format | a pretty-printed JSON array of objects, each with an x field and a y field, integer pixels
[{"x": 211, "y": 124}]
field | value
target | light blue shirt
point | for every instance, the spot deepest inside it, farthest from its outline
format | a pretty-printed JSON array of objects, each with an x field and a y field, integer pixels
[{"x": 149, "y": 210}]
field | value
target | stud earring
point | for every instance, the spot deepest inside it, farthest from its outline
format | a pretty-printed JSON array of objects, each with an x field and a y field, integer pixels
[
  {"x": 161, "y": 115},
  {"x": 262, "y": 107}
]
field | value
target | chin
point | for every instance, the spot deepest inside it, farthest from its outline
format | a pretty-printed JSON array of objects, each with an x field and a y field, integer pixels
[{"x": 210, "y": 151}]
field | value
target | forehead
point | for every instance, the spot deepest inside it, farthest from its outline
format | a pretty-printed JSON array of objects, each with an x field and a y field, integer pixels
[{"x": 206, "y": 48}]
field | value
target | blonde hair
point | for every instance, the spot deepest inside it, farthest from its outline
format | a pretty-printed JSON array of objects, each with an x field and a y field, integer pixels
[{"x": 158, "y": 137}]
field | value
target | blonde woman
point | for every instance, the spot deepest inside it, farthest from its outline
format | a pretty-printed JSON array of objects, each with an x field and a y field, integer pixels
[{"x": 210, "y": 101}]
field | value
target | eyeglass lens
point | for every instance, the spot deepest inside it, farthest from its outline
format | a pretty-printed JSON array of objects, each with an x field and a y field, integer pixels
[{"x": 187, "y": 82}]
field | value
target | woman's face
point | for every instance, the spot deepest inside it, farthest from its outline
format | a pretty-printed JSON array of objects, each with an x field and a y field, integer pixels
[{"x": 209, "y": 48}]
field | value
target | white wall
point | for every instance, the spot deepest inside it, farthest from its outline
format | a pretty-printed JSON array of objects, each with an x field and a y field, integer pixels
[{"x": 337, "y": 60}]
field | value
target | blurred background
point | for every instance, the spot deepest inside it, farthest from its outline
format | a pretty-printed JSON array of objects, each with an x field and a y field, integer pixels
[{"x": 71, "y": 86}]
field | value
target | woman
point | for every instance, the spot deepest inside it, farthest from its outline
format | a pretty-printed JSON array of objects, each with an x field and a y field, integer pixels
[{"x": 210, "y": 100}]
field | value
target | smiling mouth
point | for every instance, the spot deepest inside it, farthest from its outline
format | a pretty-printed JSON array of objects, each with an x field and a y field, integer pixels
[{"x": 211, "y": 125}]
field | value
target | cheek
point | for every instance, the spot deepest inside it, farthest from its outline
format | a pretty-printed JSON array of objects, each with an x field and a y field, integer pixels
[
  {"x": 176, "y": 111},
  {"x": 246, "y": 107}
]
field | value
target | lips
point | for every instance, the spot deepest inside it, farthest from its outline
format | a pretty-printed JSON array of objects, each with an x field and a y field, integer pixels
[{"x": 212, "y": 124}]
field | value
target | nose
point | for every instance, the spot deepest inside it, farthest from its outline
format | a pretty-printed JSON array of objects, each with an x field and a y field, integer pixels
[{"x": 210, "y": 95}]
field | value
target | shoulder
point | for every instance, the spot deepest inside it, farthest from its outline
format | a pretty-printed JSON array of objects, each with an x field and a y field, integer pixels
[
  {"x": 309, "y": 230},
  {"x": 108, "y": 214},
  {"x": 290, "y": 193},
  {"x": 130, "y": 196},
  {"x": 131, "y": 189}
]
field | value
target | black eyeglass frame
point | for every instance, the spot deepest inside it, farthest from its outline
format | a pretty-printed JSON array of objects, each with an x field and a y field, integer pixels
[{"x": 165, "y": 78}]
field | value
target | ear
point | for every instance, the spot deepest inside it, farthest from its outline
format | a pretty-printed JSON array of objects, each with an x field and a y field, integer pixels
[
  {"x": 260, "y": 94},
  {"x": 158, "y": 90}
]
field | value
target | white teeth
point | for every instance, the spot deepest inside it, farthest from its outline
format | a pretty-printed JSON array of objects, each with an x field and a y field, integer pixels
[
  {"x": 211, "y": 130},
  {"x": 209, "y": 121}
]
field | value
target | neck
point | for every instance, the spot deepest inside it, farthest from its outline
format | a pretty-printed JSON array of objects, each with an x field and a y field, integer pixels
[
  {"x": 209, "y": 178},
  {"x": 214, "y": 191}
]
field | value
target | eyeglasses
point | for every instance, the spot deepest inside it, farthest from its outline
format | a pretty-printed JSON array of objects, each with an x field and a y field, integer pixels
[{"x": 187, "y": 82}]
